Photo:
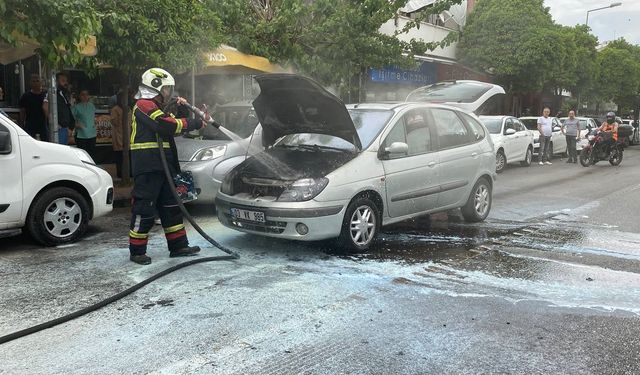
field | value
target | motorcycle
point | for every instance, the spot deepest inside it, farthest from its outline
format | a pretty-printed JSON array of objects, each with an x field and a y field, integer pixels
[{"x": 597, "y": 150}]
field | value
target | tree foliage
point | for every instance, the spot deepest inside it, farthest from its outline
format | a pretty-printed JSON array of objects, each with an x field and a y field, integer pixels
[
  {"x": 516, "y": 40},
  {"x": 57, "y": 26},
  {"x": 330, "y": 40},
  {"x": 619, "y": 74}
]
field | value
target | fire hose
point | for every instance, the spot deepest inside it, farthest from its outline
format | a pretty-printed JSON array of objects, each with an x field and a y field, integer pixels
[{"x": 84, "y": 311}]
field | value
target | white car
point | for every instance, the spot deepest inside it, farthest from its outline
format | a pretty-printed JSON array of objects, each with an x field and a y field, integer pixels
[
  {"x": 558, "y": 140},
  {"x": 478, "y": 97},
  {"x": 50, "y": 190},
  {"x": 512, "y": 140},
  {"x": 331, "y": 171}
]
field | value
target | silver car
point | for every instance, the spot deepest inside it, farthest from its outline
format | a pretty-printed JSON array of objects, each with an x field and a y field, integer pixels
[
  {"x": 332, "y": 171},
  {"x": 209, "y": 154}
]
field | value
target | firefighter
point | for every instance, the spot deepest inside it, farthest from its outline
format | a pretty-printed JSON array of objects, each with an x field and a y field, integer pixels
[{"x": 151, "y": 193}]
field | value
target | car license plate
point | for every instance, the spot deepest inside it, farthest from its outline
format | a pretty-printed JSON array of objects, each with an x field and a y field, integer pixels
[{"x": 255, "y": 216}]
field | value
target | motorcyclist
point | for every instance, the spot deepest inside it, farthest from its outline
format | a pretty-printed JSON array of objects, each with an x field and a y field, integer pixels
[
  {"x": 151, "y": 193},
  {"x": 610, "y": 126}
]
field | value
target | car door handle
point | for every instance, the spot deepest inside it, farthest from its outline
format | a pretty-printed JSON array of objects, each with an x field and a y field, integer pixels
[
  {"x": 431, "y": 164},
  {"x": 474, "y": 155}
]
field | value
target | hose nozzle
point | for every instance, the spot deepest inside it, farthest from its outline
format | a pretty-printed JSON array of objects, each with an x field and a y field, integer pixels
[{"x": 203, "y": 115}]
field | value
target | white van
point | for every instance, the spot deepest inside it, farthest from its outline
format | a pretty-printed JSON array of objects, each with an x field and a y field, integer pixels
[{"x": 50, "y": 190}]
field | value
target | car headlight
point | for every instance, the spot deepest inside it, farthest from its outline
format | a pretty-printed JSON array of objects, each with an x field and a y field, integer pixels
[
  {"x": 84, "y": 156},
  {"x": 209, "y": 153},
  {"x": 303, "y": 190}
]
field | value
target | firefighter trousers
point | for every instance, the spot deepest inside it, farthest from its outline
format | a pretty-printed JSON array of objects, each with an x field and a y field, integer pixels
[{"x": 152, "y": 196}]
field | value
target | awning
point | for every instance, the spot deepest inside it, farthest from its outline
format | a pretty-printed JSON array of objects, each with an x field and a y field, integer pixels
[
  {"x": 26, "y": 48},
  {"x": 228, "y": 60}
]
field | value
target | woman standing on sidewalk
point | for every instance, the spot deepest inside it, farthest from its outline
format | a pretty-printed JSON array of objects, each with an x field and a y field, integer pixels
[{"x": 85, "y": 114}]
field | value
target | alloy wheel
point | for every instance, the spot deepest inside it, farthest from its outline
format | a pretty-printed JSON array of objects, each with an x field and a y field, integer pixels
[
  {"x": 362, "y": 226},
  {"x": 482, "y": 200},
  {"x": 63, "y": 217}
]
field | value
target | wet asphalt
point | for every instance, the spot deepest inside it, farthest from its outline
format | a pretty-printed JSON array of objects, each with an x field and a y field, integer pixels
[{"x": 550, "y": 283}]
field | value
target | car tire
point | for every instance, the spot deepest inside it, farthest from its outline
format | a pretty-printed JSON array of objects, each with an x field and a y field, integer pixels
[
  {"x": 360, "y": 208},
  {"x": 501, "y": 161},
  {"x": 57, "y": 216},
  {"x": 528, "y": 158},
  {"x": 479, "y": 203}
]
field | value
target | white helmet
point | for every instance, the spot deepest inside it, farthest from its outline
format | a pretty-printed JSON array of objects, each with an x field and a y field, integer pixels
[{"x": 156, "y": 81}]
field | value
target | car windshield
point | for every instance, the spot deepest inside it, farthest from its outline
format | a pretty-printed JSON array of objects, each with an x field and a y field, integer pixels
[
  {"x": 530, "y": 123},
  {"x": 368, "y": 123},
  {"x": 457, "y": 92},
  {"x": 494, "y": 125},
  {"x": 240, "y": 120}
]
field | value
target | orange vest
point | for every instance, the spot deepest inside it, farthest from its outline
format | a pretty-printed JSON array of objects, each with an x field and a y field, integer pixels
[{"x": 611, "y": 128}]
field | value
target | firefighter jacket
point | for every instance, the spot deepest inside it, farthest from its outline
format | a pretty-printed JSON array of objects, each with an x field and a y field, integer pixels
[{"x": 148, "y": 122}]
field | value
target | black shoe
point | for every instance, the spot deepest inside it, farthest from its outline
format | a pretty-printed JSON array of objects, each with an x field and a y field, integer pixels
[
  {"x": 185, "y": 252},
  {"x": 140, "y": 259}
]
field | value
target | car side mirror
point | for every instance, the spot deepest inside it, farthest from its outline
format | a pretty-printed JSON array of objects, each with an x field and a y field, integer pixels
[
  {"x": 5, "y": 143},
  {"x": 510, "y": 131},
  {"x": 397, "y": 148}
]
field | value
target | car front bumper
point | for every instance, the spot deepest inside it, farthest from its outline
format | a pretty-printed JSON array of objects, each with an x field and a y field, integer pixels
[
  {"x": 206, "y": 186},
  {"x": 323, "y": 221},
  {"x": 102, "y": 197}
]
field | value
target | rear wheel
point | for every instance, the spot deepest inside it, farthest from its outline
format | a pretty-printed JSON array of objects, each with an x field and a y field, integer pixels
[
  {"x": 479, "y": 203},
  {"x": 528, "y": 157},
  {"x": 58, "y": 216},
  {"x": 360, "y": 225},
  {"x": 616, "y": 156},
  {"x": 501, "y": 161}
]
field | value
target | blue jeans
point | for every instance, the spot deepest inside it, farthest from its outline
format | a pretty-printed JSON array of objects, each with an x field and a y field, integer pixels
[{"x": 63, "y": 136}]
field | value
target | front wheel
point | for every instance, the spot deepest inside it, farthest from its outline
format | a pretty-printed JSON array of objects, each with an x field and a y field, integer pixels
[
  {"x": 501, "y": 161},
  {"x": 585, "y": 156},
  {"x": 616, "y": 156},
  {"x": 528, "y": 158},
  {"x": 360, "y": 225},
  {"x": 479, "y": 203},
  {"x": 57, "y": 216}
]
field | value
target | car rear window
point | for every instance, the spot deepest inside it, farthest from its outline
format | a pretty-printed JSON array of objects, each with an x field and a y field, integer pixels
[{"x": 457, "y": 92}]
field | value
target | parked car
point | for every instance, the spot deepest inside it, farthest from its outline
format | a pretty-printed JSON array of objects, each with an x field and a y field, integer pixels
[
  {"x": 586, "y": 124},
  {"x": 331, "y": 171},
  {"x": 478, "y": 97},
  {"x": 52, "y": 191},
  {"x": 635, "y": 136},
  {"x": 209, "y": 154},
  {"x": 558, "y": 140},
  {"x": 512, "y": 140}
]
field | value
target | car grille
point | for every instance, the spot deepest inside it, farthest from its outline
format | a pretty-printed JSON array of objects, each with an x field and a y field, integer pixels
[{"x": 276, "y": 227}]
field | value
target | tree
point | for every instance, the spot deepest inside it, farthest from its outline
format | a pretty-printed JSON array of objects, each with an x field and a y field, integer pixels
[
  {"x": 333, "y": 41},
  {"x": 619, "y": 78},
  {"x": 586, "y": 68},
  {"x": 511, "y": 39},
  {"x": 57, "y": 26}
]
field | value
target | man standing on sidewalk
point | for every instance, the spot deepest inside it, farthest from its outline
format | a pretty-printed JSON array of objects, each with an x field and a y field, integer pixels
[
  {"x": 571, "y": 130},
  {"x": 545, "y": 127}
]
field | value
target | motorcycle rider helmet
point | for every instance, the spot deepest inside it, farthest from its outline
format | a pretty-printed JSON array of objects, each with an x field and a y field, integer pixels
[
  {"x": 156, "y": 81},
  {"x": 611, "y": 118}
]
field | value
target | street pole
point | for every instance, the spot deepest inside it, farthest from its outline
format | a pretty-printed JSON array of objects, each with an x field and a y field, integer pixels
[{"x": 612, "y": 5}]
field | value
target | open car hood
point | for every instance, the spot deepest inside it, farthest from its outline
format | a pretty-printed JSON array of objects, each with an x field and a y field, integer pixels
[{"x": 293, "y": 104}]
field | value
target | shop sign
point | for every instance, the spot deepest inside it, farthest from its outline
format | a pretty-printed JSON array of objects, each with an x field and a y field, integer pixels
[
  {"x": 103, "y": 129},
  {"x": 425, "y": 74}
]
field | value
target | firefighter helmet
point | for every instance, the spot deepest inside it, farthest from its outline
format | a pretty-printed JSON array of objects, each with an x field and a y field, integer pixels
[{"x": 159, "y": 81}]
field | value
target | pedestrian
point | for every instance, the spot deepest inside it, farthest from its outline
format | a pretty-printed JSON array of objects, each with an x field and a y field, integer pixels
[
  {"x": 85, "y": 129},
  {"x": 66, "y": 122},
  {"x": 152, "y": 193},
  {"x": 545, "y": 127},
  {"x": 571, "y": 130},
  {"x": 117, "y": 132},
  {"x": 32, "y": 117}
]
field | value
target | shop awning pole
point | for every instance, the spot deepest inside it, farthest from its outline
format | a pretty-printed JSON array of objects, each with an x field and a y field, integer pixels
[
  {"x": 193, "y": 85},
  {"x": 21, "y": 77}
]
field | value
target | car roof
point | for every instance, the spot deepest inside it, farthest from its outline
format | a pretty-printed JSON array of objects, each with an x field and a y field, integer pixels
[
  {"x": 398, "y": 106},
  {"x": 494, "y": 116}
]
